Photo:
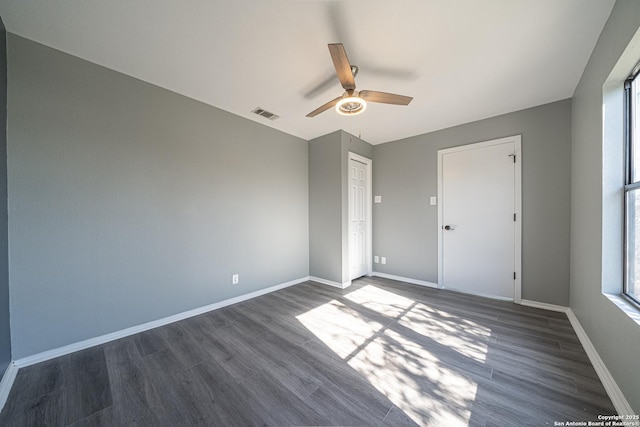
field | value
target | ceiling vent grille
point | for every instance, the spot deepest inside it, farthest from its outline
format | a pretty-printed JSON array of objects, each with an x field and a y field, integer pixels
[{"x": 264, "y": 113}]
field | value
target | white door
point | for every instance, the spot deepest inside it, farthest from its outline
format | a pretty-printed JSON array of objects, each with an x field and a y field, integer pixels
[
  {"x": 479, "y": 218},
  {"x": 358, "y": 216}
]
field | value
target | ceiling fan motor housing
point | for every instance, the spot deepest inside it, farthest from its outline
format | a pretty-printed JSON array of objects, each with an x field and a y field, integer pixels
[{"x": 351, "y": 104}]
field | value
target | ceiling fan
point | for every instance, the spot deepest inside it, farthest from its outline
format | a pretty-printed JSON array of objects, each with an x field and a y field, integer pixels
[{"x": 352, "y": 101}]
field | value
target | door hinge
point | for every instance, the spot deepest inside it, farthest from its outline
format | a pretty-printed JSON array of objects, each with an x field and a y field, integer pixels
[
  {"x": 514, "y": 275},
  {"x": 514, "y": 216}
]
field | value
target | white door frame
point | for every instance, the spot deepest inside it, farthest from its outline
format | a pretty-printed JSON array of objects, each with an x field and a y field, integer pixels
[
  {"x": 368, "y": 213},
  {"x": 516, "y": 139}
]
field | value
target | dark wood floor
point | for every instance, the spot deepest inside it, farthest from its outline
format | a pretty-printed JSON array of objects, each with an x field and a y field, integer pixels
[{"x": 378, "y": 353}]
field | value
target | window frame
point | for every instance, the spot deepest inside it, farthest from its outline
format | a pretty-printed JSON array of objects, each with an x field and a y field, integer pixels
[{"x": 630, "y": 127}]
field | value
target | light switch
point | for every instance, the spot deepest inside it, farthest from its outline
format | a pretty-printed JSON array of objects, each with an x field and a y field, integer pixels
[
  {"x": 377, "y": 199},
  {"x": 383, "y": 260},
  {"x": 376, "y": 259},
  {"x": 432, "y": 200}
]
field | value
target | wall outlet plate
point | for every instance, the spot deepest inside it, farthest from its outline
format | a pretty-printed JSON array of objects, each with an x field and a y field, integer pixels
[{"x": 235, "y": 279}]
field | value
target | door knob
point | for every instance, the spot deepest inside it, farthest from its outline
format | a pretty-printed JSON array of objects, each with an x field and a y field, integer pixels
[{"x": 448, "y": 227}]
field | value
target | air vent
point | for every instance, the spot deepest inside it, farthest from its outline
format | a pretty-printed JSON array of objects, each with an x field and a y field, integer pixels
[{"x": 264, "y": 113}]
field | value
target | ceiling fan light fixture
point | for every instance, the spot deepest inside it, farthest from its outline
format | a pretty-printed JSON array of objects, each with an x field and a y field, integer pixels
[
  {"x": 351, "y": 105},
  {"x": 353, "y": 102}
]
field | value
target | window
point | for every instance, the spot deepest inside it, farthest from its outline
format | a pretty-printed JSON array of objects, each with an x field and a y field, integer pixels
[{"x": 632, "y": 186}]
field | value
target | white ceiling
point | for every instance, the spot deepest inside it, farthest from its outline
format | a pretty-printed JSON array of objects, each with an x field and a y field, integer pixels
[{"x": 461, "y": 60}]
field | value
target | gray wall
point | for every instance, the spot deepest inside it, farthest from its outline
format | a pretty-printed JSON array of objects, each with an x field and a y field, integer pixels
[
  {"x": 325, "y": 207},
  {"x": 329, "y": 203},
  {"x": 615, "y": 336},
  {"x": 129, "y": 203},
  {"x": 405, "y": 225},
  {"x": 5, "y": 333}
]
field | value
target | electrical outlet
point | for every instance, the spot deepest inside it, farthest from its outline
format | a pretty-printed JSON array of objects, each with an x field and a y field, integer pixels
[
  {"x": 235, "y": 279},
  {"x": 383, "y": 260},
  {"x": 376, "y": 259}
]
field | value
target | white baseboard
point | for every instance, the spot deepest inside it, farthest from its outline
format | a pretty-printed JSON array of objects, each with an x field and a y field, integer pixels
[
  {"x": 544, "y": 306},
  {"x": 61, "y": 351},
  {"x": 615, "y": 394},
  {"x": 6, "y": 383},
  {"x": 330, "y": 282},
  {"x": 405, "y": 279}
]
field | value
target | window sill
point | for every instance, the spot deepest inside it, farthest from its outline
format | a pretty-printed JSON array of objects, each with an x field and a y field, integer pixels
[{"x": 629, "y": 308}]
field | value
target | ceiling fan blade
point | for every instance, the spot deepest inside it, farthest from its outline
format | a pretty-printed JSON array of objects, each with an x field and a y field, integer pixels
[
  {"x": 342, "y": 65},
  {"x": 325, "y": 107},
  {"x": 385, "y": 98}
]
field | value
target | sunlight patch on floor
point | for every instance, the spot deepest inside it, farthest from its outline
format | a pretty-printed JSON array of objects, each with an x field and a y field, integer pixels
[
  {"x": 416, "y": 382},
  {"x": 464, "y": 336},
  {"x": 398, "y": 345},
  {"x": 380, "y": 300},
  {"x": 339, "y": 327}
]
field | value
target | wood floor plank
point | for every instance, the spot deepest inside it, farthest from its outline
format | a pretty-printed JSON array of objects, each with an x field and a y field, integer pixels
[
  {"x": 88, "y": 387},
  {"x": 175, "y": 402},
  {"x": 279, "y": 405},
  {"x": 106, "y": 417},
  {"x": 588, "y": 382},
  {"x": 499, "y": 404},
  {"x": 184, "y": 344},
  {"x": 409, "y": 343},
  {"x": 227, "y": 346},
  {"x": 273, "y": 355},
  {"x": 227, "y": 402},
  {"x": 209, "y": 321},
  {"x": 33, "y": 382},
  {"x": 49, "y": 409},
  {"x": 342, "y": 408},
  {"x": 380, "y": 352},
  {"x": 344, "y": 381},
  {"x": 549, "y": 403},
  {"x": 151, "y": 341},
  {"x": 133, "y": 393},
  {"x": 280, "y": 320},
  {"x": 237, "y": 316},
  {"x": 398, "y": 418}
]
